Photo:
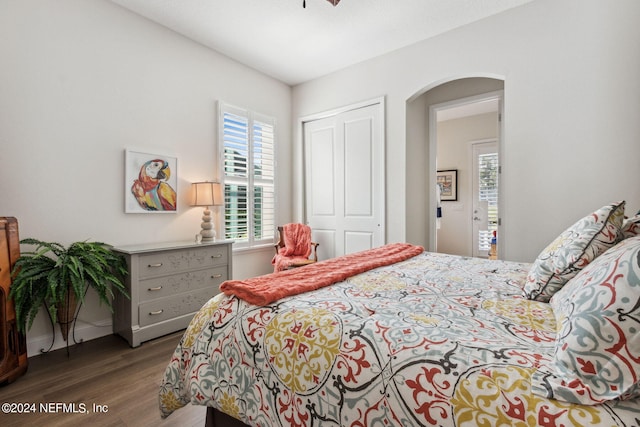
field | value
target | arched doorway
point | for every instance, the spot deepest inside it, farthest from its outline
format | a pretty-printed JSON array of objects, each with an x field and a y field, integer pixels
[{"x": 421, "y": 152}]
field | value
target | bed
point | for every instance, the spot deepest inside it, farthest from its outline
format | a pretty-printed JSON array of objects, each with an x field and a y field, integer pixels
[{"x": 430, "y": 340}]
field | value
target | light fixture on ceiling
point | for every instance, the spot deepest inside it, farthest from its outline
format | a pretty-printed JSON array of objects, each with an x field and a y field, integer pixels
[{"x": 333, "y": 2}]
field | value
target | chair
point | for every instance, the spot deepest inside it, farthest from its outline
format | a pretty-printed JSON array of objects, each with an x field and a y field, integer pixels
[{"x": 294, "y": 247}]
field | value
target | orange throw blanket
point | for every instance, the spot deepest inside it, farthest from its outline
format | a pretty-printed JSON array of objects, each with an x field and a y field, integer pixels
[
  {"x": 297, "y": 246},
  {"x": 265, "y": 289},
  {"x": 297, "y": 240}
]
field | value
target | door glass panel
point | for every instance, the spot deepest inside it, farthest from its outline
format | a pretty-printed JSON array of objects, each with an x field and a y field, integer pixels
[{"x": 488, "y": 193}]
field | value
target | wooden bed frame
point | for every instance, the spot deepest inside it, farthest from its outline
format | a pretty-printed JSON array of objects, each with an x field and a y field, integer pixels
[{"x": 215, "y": 418}]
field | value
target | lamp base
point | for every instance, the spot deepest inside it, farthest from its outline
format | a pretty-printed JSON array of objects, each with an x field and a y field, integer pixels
[{"x": 208, "y": 233}]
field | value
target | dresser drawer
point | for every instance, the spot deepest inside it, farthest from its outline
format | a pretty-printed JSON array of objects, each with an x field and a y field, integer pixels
[
  {"x": 159, "y": 287},
  {"x": 172, "y": 306},
  {"x": 168, "y": 262}
]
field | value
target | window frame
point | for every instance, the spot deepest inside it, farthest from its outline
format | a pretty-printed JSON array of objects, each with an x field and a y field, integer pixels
[{"x": 251, "y": 241}]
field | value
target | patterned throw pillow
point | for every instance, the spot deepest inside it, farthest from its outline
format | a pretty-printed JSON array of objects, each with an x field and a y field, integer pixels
[
  {"x": 631, "y": 227},
  {"x": 597, "y": 350},
  {"x": 572, "y": 250}
]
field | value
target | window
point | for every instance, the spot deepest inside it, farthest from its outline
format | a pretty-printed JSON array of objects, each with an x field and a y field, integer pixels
[
  {"x": 488, "y": 192},
  {"x": 248, "y": 145}
]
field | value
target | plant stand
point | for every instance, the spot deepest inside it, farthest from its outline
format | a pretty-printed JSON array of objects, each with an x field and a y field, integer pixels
[{"x": 67, "y": 316}]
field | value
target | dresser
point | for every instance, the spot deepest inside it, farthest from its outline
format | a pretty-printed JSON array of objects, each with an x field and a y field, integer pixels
[{"x": 168, "y": 283}]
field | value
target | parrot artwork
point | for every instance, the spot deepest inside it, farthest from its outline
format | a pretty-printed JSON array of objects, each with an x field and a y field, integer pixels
[{"x": 151, "y": 189}]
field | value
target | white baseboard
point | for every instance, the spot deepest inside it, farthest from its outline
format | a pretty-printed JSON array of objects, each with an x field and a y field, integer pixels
[{"x": 83, "y": 332}]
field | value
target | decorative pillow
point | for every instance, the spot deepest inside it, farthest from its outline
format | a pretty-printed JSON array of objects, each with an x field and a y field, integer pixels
[
  {"x": 572, "y": 250},
  {"x": 631, "y": 227},
  {"x": 597, "y": 350}
]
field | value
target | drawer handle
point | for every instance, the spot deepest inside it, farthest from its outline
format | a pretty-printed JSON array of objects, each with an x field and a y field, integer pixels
[
  {"x": 155, "y": 313},
  {"x": 155, "y": 265},
  {"x": 216, "y": 276},
  {"x": 216, "y": 256},
  {"x": 157, "y": 288}
]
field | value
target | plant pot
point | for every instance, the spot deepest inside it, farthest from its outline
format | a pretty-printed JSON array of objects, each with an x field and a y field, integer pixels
[{"x": 67, "y": 312}]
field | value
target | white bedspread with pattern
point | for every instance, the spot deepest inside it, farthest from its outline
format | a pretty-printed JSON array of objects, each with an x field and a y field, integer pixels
[{"x": 436, "y": 340}]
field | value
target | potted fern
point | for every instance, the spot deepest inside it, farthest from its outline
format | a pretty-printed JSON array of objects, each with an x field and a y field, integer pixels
[{"x": 58, "y": 278}]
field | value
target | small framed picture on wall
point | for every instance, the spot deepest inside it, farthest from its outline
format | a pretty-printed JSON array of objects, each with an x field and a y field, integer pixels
[
  {"x": 448, "y": 182},
  {"x": 150, "y": 182}
]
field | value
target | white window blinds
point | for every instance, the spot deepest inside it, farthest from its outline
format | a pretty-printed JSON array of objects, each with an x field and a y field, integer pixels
[
  {"x": 488, "y": 182},
  {"x": 248, "y": 141}
]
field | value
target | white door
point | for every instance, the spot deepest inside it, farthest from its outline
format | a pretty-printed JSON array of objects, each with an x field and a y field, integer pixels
[
  {"x": 344, "y": 181},
  {"x": 485, "y": 196}
]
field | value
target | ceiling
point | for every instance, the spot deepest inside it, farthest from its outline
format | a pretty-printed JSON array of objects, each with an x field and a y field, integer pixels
[
  {"x": 468, "y": 109},
  {"x": 294, "y": 44}
]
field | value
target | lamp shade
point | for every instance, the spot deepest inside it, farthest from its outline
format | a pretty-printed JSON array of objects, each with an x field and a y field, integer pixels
[{"x": 207, "y": 194}]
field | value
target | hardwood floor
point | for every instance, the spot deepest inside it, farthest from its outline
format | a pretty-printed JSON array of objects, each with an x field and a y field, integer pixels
[{"x": 105, "y": 372}]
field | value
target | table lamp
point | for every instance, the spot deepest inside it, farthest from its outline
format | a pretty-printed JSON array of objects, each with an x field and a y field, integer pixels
[{"x": 207, "y": 194}]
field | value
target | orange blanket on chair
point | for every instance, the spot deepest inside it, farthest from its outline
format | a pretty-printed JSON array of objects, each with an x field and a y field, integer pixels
[
  {"x": 265, "y": 289},
  {"x": 297, "y": 246}
]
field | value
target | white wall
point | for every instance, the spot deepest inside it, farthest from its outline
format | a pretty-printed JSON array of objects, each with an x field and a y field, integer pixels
[
  {"x": 80, "y": 81},
  {"x": 570, "y": 70}
]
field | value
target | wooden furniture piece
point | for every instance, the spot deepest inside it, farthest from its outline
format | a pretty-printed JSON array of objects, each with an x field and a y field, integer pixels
[
  {"x": 168, "y": 283},
  {"x": 298, "y": 262},
  {"x": 216, "y": 418},
  {"x": 13, "y": 345}
]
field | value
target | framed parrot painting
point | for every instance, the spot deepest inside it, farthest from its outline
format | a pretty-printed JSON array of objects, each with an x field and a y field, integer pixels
[{"x": 151, "y": 183}]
